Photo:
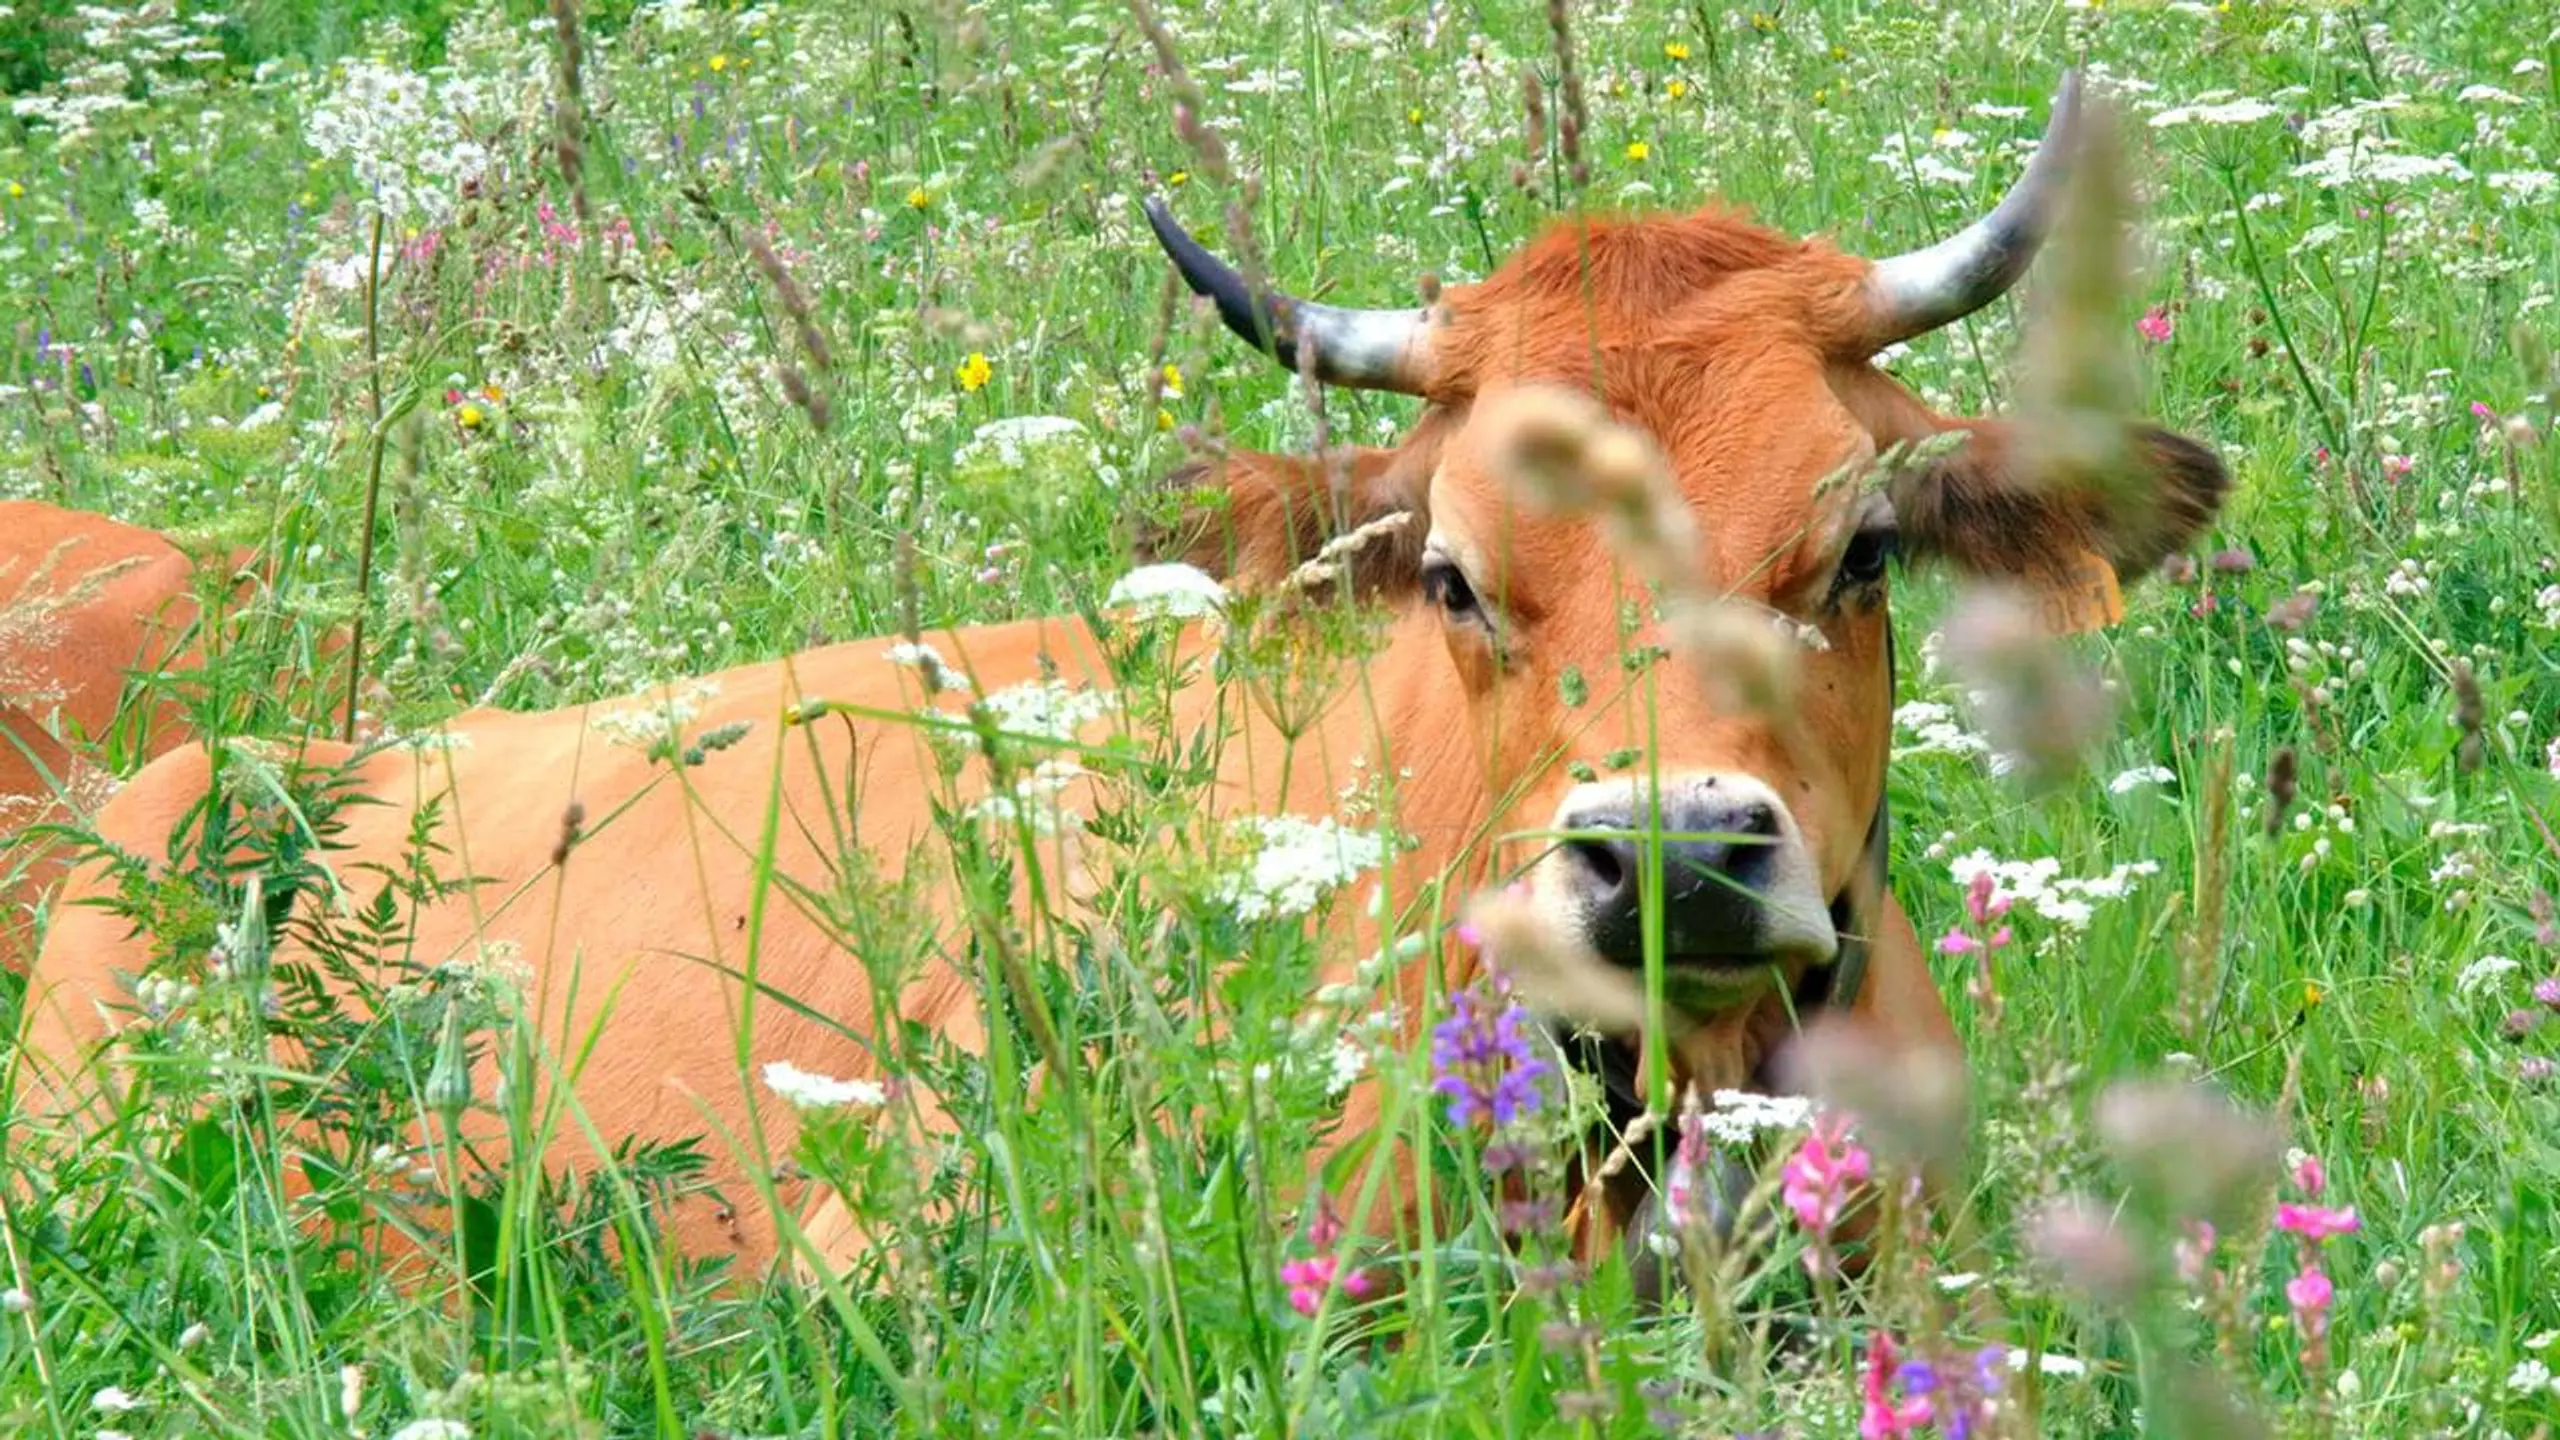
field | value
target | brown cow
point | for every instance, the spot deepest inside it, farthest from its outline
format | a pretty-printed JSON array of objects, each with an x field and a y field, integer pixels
[
  {"x": 84, "y": 602},
  {"x": 1743, "y": 354}
]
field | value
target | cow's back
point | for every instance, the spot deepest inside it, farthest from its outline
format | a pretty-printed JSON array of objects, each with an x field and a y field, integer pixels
[{"x": 638, "y": 938}]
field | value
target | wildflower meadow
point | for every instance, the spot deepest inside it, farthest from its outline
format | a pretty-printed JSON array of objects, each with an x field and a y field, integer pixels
[{"x": 563, "y": 353}]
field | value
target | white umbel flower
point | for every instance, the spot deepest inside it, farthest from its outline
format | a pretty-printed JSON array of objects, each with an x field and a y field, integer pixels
[
  {"x": 1168, "y": 592},
  {"x": 1296, "y": 861},
  {"x": 812, "y": 1091}
]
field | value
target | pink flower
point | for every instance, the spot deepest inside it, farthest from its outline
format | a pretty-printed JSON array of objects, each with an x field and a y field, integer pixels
[
  {"x": 1310, "y": 1277},
  {"x": 2480, "y": 411},
  {"x": 2316, "y": 1223},
  {"x": 2194, "y": 1252},
  {"x": 2397, "y": 467},
  {"x": 2155, "y": 325},
  {"x": 1983, "y": 902},
  {"x": 1818, "y": 1177},
  {"x": 1884, "y": 1417},
  {"x": 2310, "y": 1177},
  {"x": 2310, "y": 1293}
]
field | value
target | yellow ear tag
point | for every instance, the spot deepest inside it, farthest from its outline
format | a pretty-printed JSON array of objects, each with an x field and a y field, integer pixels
[{"x": 2083, "y": 597}]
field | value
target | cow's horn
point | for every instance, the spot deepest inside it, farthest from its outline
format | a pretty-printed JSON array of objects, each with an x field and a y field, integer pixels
[
  {"x": 1364, "y": 349},
  {"x": 1915, "y": 293}
]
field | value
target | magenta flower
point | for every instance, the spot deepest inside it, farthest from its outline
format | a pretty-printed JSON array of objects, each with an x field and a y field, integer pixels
[
  {"x": 2310, "y": 1176},
  {"x": 2316, "y": 1223},
  {"x": 2310, "y": 1293},
  {"x": 2547, "y": 991},
  {"x": 1311, "y": 1277},
  {"x": 1883, "y": 1417},
  {"x": 1817, "y": 1179},
  {"x": 2155, "y": 325}
]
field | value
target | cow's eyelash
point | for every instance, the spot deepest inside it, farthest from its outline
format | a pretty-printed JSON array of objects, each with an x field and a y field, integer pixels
[
  {"x": 1447, "y": 586},
  {"x": 1864, "y": 559}
]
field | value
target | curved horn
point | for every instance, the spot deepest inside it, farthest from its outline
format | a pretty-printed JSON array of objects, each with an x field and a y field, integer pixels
[
  {"x": 1364, "y": 349},
  {"x": 1915, "y": 293}
]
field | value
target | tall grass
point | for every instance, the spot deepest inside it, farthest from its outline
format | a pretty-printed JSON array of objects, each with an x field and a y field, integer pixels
[{"x": 593, "y": 428}]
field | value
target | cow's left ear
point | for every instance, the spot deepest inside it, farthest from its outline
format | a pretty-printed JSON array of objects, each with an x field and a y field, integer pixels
[
  {"x": 1983, "y": 506},
  {"x": 1251, "y": 519}
]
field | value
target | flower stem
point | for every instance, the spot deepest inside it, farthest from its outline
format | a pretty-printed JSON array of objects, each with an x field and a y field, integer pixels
[{"x": 373, "y": 477}]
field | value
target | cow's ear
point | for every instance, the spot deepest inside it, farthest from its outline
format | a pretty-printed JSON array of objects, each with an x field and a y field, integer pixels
[
  {"x": 1251, "y": 519},
  {"x": 1983, "y": 506}
]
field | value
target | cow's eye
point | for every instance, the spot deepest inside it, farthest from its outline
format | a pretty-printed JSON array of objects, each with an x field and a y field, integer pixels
[
  {"x": 1445, "y": 585},
  {"x": 1862, "y": 564}
]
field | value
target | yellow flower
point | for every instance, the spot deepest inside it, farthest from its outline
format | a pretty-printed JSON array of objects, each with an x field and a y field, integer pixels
[
  {"x": 719, "y": 63},
  {"x": 1675, "y": 49},
  {"x": 1677, "y": 88},
  {"x": 918, "y": 198},
  {"x": 1638, "y": 150},
  {"x": 2311, "y": 994},
  {"x": 1764, "y": 22},
  {"x": 1821, "y": 98},
  {"x": 16, "y": 189},
  {"x": 1839, "y": 53},
  {"x": 1164, "y": 419},
  {"x": 974, "y": 372},
  {"x": 470, "y": 417},
  {"x": 494, "y": 394},
  {"x": 1413, "y": 115},
  {"x": 1178, "y": 177},
  {"x": 1173, "y": 380}
]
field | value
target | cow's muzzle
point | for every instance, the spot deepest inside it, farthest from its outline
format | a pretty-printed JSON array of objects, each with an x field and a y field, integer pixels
[{"x": 1715, "y": 866}]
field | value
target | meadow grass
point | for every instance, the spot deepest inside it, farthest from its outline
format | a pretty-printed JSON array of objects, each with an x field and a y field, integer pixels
[{"x": 711, "y": 386}]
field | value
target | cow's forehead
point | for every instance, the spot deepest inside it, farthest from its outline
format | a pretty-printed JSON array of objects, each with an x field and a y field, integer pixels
[{"x": 1761, "y": 455}]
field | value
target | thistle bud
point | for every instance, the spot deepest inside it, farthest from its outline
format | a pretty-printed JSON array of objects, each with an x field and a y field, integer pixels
[{"x": 449, "y": 1083}]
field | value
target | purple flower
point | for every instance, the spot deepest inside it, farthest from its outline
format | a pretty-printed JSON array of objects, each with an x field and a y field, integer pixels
[{"x": 1481, "y": 1060}]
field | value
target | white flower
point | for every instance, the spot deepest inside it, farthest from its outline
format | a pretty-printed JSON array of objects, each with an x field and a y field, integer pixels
[
  {"x": 16, "y": 1301},
  {"x": 2531, "y": 1377},
  {"x": 194, "y": 1335},
  {"x": 937, "y": 673},
  {"x": 2139, "y": 776},
  {"x": 1034, "y": 799},
  {"x": 2487, "y": 95},
  {"x": 1161, "y": 592},
  {"x": 1933, "y": 726},
  {"x": 2519, "y": 186},
  {"x": 2369, "y": 164},
  {"x": 1050, "y": 709},
  {"x": 2227, "y": 112},
  {"x": 2483, "y": 971},
  {"x": 2041, "y": 886},
  {"x": 2048, "y": 1363},
  {"x": 812, "y": 1091},
  {"x": 1295, "y": 861},
  {"x": 1013, "y": 441},
  {"x": 432, "y": 1430},
  {"x": 1741, "y": 1116},
  {"x": 114, "y": 1400}
]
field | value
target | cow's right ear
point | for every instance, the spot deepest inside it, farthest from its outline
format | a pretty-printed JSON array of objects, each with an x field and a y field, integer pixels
[
  {"x": 1251, "y": 518},
  {"x": 1984, "y": 505}
]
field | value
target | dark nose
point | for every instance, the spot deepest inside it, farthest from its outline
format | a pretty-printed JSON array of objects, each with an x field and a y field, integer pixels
[{"x": 1716, "y": 854}]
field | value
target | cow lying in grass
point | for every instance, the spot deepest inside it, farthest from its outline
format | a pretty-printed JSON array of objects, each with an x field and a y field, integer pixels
[{"x": 664, "y": 887}]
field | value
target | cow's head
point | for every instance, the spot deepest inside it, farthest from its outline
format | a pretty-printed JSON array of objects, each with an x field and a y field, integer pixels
[{"x": 1745, "y": 356}]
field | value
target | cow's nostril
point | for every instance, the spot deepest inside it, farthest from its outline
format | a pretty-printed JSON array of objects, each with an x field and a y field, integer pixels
[
  {"x": 1604, "y": 860},
  {"x": 1757, "y": 818}
]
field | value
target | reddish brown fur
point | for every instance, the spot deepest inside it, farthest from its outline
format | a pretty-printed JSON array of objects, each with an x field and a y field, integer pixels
[
  {"x": 1739, "y": 350},
  {"x": 93, "y": 600}
]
